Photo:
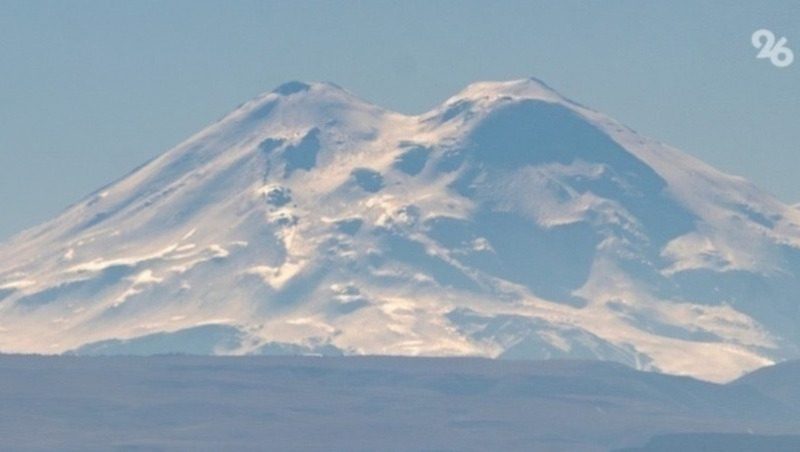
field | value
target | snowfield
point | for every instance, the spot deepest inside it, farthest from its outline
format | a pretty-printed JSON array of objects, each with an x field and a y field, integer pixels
[{"x": 507, "y": 222}]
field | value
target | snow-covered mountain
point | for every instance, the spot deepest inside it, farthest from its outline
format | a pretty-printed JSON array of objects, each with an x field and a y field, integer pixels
[{"x": 507, "y": 222}]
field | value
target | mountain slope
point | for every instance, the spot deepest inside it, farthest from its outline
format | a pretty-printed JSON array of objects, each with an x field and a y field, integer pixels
[
  {"x": 778, "y": 382},
  {"x": 509, "y": 221}
]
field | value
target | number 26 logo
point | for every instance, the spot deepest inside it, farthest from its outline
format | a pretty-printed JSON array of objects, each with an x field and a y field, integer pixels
[{"x": 777, "y": 52}]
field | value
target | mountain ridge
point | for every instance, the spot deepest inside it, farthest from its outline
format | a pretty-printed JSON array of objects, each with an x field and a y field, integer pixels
[{"x": 196, "y": 401}]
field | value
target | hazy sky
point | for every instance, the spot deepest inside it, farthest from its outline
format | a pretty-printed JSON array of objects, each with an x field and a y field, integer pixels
[{"x": 91, "y": 89}]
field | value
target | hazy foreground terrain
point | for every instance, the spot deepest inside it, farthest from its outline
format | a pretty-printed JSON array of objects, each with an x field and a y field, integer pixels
[{"x": 371, "y": 403}]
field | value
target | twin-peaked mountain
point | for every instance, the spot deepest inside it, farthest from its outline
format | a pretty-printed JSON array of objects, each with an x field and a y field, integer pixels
[{"x": 507, "y": 222}]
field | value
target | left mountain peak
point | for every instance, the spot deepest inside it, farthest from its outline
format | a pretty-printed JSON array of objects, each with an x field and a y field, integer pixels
[
  {"x": 295, "y": 87},
  {"x": 308, "y": 103}
]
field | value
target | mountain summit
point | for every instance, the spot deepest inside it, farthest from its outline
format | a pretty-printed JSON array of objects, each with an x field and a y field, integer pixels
[{"x": 507, "y": 222}]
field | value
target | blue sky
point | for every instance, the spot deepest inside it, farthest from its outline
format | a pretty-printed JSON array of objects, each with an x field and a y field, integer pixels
[{"x": 91, "y": 89}]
